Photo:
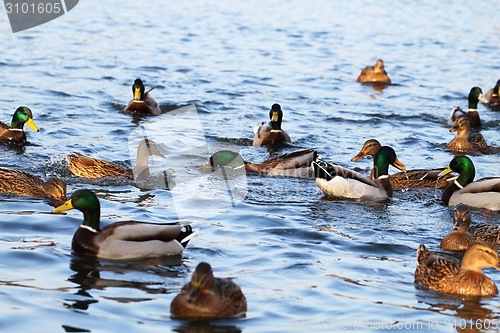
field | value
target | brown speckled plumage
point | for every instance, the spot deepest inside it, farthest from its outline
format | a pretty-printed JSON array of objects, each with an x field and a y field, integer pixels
[
  {"x": 25, "y": 184},
  {"x": 83, "y": 166},
  {"x": 208, "y": 297},
  {"x": 446, "y": 275}
]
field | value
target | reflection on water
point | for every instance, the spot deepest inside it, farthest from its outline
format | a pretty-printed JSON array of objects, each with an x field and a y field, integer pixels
[{"x": 464, "y": 314}]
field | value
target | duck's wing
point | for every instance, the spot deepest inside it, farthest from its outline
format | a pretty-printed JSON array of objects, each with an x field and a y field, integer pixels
[
  {"x": 486, "y": 232},
  {"x": 328, "y": 171},
  {"x": 293, "y": 160}
]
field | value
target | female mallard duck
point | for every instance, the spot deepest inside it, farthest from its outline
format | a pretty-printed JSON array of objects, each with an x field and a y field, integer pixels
[
  {"x": 483, "y": 193},
  {"x": 460, "y": 239},
  {"x": 208, "y": 297},
  {"x": 407, "y": 178},
  {"x": 15, "y": 133},
  {"x": 142, "y": 102},
  {"x": 337, "y": 181},
  {"x": 83, "y": 166},
  {"x": 271, "y": 133},
  {"x": 465, "y": 141},
  {"x": 375, "y": 73},
  {"x": 493, "y": 97},
  {"x": 121, "y": 240},
  {"x": 294, "y": 164},
  {"x": 450, "y": 276},
  {"x": 463, "y": 236},
  {"x": 25, "y": 184},
  {"x": 475, "y": 96}
]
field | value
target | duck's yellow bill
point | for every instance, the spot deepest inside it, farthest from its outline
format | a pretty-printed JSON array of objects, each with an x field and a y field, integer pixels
[
  {"x": 274, "y": 116},
  {"x": 137, "y": 94},
  {"x": 66, "y": 206},
  {"x": 398, "y": 164},
  {"x": 32, "y": 125},
  {"x": 445, "y": 172}
]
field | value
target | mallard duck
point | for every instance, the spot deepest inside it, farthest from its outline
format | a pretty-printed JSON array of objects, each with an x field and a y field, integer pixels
[
  {"x": 460, "y": 239},
  {"x": 294, "y": 164},
  {"x": 337, "y": 181},
  {"x": 450, "y": 276},
  {"x": 464, "y": 235},
  {"x": 25, "y": 184},
  {"x": 407, "y": 178},
  {"x": 493, "y": 97},
  {"x": 475, "y": 96},
  {"x": 83, "y": 166},
  {"x": 483, "y": 193},
  {"x": 142, "y": 102},
  {"x": 465, "y": 141},
  {"x": 15, "y": 133},
  {"x": 121, "y": 240},
  {"x": 208, "y": 297},
  {"x": 271, "y": 133},
  {"x": 375, "y": 73}
]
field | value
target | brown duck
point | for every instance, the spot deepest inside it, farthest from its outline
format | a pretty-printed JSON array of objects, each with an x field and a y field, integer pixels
[
  {"x": 208, "y": 297},
  {"x": 463, "y": 235},
  {"x": 446, "y": 275},
  {"x": 375, "y": 73},
  {"x": 22, "y": 183},
  {"x": 88, "y": 167},
  {"x": 408, "y": 178},
  {"x": 467, "y": 141}
]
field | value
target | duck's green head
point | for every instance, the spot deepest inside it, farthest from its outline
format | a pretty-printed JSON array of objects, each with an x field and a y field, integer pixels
[
  {"x": 276, "y": 116},
  {"x": 226, "y": 158},
  {"x": 383, "y": 158},
  {"x": 86, "y": 202},
  {"x": 138, "y": 90},
  {"x": 475, "y": 96},
  {"x": 23, "y": 116},
  {"x": 464, "y": 167}
]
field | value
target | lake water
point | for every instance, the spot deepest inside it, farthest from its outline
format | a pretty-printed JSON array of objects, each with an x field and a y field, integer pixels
[{"x": 305, "y": 262}]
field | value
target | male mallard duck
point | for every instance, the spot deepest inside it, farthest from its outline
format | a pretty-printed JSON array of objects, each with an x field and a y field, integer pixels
[
  {"x": 375, "y": 73},
  {"x": 337, "y": 181},
  {"x": 483, "y": 193},
  {"x": 493, "y": 97},
  {"x": 121, "y": 240},
  {"x": 271, "y": 133},
  {"x": 407, "y": 178},
  {"x": 475, "y": 95},
  {"x": 466, "y": 141},
  {"x": 15, "y": 133},
  {"x": 208, "y": 297},
  {"x": 83, "y": 166},
  {"x": 142, "y": 102},
  {"x": 463, "y": 236},
  {"x": 450, "y": 276},
  {"x": 294, "y": 164},
  {"x": 25, "y": 184}
]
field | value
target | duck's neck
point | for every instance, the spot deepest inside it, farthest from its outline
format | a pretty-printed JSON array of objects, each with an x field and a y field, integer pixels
[
  {"x": 276, "y": 125},
  {"x": 91, "y": 218},
  {"x": 473, "y": 104},
  {"x": 470, "y": 263}
]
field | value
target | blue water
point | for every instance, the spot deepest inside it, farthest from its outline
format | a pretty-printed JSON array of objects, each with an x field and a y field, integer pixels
[{"x": 304, "y": 262}]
